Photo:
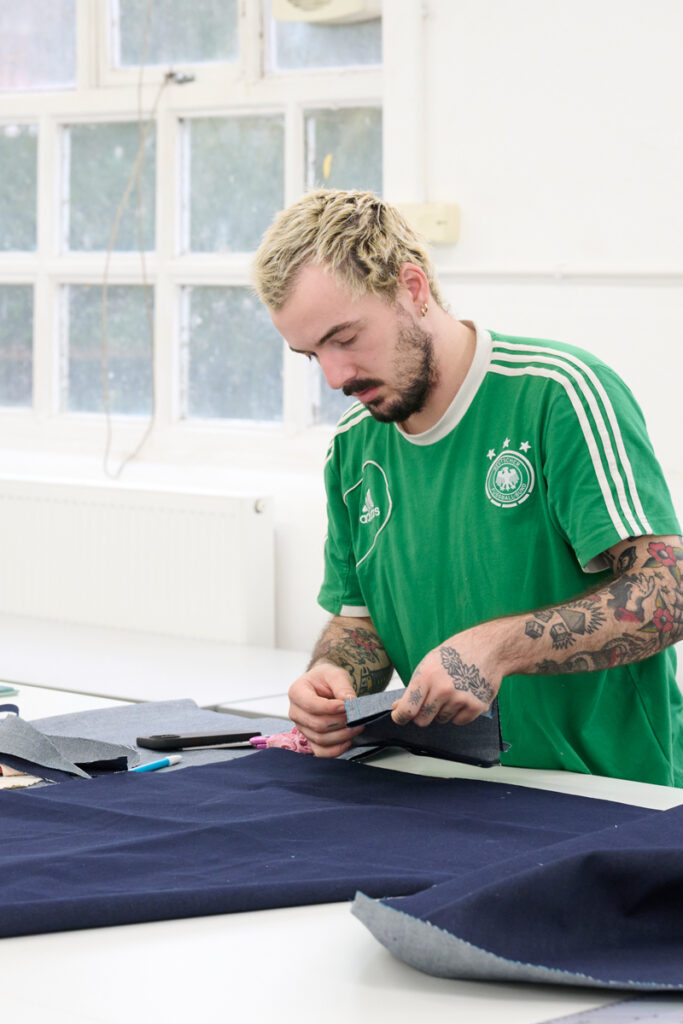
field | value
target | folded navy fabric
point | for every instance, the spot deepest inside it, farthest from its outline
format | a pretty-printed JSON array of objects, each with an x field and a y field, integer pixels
[
  {"x": 479, "y": 742},
  {"x": 272, "y": 829},
  {"x": 604, "y": 909}
]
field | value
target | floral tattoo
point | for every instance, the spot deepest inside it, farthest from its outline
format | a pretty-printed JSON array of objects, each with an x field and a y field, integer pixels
[
  {"x": 465, "y": 677},
  {"x": 359, "y": 652}
]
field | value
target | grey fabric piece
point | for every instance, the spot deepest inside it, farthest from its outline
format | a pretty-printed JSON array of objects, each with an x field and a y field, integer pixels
[
  {"x": 479, "y": 742},
  {"x": 124, "y": 724},
  {"x": 430, "y": 949},
  {"x": 20, "y": 739}
]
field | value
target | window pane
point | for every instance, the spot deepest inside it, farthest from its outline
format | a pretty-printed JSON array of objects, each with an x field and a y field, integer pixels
[
  {"x": 129, "y": 350},
  {"x": 18, "y": 162},
  {"x": 179, "y": 31},
  {"x": 16, "y": 344},
  {"x": 102, "y": 157},
  {"x": 296, "y": 44},
  {"x": 236, "y": 181},
  {"x": 344, "y": 148},
  {"x": 232, "y": 356},
  {"x": 328, "y": 404},
  {"x": 37, "y": 44}
]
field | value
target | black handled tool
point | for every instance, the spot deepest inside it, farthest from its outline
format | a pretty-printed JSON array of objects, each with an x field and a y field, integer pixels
[{"x": 179, "y": 741}]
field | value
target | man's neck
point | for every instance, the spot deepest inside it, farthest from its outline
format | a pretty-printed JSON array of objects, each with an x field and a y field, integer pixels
[{"x": 455, "y": 342}]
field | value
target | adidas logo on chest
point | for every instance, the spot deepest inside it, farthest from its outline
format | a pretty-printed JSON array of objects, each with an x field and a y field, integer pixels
[{"x": 369, "y": 511}]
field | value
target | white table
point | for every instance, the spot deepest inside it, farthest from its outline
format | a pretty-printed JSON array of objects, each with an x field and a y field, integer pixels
[
  {"x": 136, "y": 666},
  {"x": 40, "y": 702},
  {"x": 299, "y": 965}
]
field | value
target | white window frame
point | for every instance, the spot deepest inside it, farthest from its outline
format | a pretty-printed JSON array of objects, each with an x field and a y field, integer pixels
[{"x": 106, "y": 94}]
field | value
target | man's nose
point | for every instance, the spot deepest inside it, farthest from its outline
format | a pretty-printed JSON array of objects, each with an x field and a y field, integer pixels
[{"x": 336, "y": 368}]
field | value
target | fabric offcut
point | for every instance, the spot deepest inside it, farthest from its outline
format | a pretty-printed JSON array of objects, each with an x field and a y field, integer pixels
[
  {"x": 274, "y": 829},
  {"x": 124, "y": 724},
  {"x": 478, "y": 743},
  {"x": 56, "y": 758}
]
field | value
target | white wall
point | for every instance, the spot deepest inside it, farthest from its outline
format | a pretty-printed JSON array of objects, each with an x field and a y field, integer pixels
[{"x": 557, "y": 127}]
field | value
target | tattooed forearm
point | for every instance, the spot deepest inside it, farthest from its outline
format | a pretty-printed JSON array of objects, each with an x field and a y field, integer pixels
[
  {"x": 372, "y": 680},
  {"x": 359, "y": 651},
  {"x": 620, "y": 650},
  {"x": 636, "y": 615}
]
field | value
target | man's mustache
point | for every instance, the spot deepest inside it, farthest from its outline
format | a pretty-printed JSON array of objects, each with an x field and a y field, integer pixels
[{"x": 356, "y": 386}]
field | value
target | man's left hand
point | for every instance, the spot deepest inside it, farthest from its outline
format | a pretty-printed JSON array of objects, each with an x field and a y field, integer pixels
[{"x": 455, "y": 682}]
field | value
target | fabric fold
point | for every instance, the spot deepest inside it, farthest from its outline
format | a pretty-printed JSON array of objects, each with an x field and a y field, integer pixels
[
  {"x": 56, "y": 758},
  {"x": 478, "y": 743},
  {"x": 603, "y": 909}
]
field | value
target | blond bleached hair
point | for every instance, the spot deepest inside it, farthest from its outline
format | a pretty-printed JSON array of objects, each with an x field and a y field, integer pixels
[{"x": 358, "y": 237}]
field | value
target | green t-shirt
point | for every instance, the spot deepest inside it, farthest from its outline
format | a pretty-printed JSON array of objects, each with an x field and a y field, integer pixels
[{"x": 540, "y": 464}]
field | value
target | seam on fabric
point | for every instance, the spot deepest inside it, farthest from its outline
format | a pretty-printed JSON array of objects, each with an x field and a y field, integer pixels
[
  {"x": 351, "y": 411},
  {"x": 371, "y": 462},
  {"x": 355, "y": 611},
  {"x": 342, "y": 429},
  {"x": 634, "y": 680},
  {"x": 589, "y": 437},
  {"x": 558, "y": 358}
]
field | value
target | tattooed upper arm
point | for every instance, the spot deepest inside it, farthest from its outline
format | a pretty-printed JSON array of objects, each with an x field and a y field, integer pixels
[{"x": 643, "y": 552}]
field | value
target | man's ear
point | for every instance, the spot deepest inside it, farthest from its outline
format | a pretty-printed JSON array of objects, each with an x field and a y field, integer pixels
[{"x": 414, "y": 280}]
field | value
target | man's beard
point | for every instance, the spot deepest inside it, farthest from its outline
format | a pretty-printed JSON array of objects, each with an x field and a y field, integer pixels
[{"x": 416, "y": 375}]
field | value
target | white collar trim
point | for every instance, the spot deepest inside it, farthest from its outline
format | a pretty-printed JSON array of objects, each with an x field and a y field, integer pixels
[{"x": 464, "y": 396}]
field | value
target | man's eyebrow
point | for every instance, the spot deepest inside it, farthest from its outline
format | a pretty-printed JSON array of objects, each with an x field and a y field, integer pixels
[
  {"x": 336, "y": 329},
  {"x": 348, "y": 324}
]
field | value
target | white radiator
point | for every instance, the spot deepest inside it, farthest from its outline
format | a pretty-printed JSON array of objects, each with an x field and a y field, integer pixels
[{"x": 189, "y": 564}]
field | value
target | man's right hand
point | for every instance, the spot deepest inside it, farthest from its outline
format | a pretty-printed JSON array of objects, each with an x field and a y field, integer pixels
[{"x": 317, "y": 708}]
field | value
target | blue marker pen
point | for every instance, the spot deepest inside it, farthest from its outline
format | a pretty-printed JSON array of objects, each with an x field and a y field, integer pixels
[{"x": 153, "y": 765}]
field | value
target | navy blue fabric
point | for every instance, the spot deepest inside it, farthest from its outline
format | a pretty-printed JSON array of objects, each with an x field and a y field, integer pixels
[
  {"x": 21, "y": 764},
  {"x": 269, "y": 830},
  {"x": 608, "y": 904}
]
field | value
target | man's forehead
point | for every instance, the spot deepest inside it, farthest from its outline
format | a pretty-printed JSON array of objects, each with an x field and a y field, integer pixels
[
  {"x": 317, "y": 280},
  {"x": 317, "y": 305}
]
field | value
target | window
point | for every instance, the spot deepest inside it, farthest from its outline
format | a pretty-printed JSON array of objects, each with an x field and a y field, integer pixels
[
  {"x": 136, "y": 181},
  {"x": 16, "y": 340},
  {"x": 37, "y": 44}
]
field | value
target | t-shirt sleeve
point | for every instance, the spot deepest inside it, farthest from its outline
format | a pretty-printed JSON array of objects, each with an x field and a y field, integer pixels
[
  {"x": 340, "y": 593},
  {"x": 604, "y": 481}
]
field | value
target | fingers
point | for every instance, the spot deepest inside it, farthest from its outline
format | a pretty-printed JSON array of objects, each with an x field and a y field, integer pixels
[
  {"x": 317, "y": 709},
  {"x": 332, "y": 745},
  {"x": 433, "y": 697},
  {"x": 459, "y": 710}
]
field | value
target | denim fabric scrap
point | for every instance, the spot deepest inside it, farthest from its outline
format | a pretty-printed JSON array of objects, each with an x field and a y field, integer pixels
[
  {"x": 479, "y": 742},
  {"x": 124, "y": 724},
  {"x": 26, "y": 748}
]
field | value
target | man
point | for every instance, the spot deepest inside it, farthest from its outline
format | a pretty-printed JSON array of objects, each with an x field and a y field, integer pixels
[{"x": 498, "y": 525}]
